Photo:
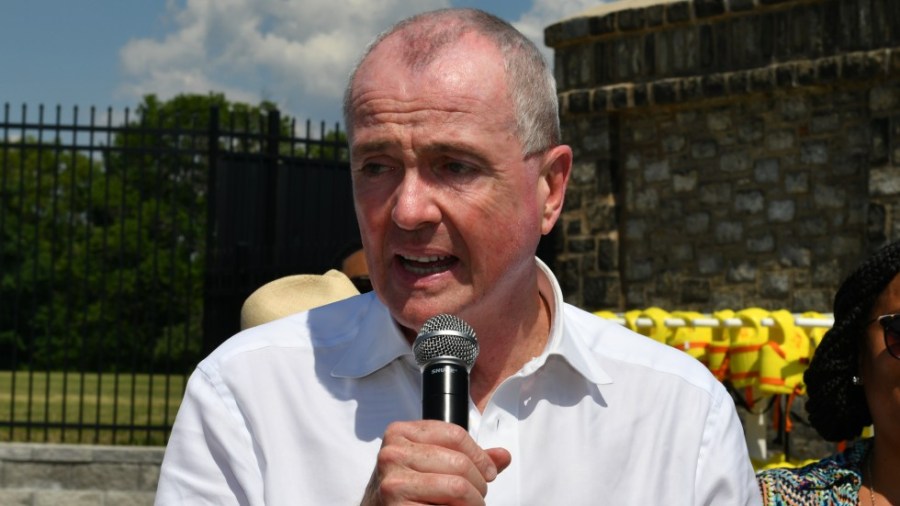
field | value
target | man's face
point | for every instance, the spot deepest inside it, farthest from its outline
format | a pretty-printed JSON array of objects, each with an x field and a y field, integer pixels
[{"x": 449, "y": 210}]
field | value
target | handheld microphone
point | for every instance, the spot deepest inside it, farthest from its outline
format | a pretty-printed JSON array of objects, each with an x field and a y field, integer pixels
[{"x": 446, "y": 349}]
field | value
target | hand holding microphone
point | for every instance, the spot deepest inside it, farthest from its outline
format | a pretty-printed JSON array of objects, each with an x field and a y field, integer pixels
[{"x": 419, "y": 461}]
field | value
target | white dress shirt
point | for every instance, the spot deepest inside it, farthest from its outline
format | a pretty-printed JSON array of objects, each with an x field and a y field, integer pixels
[{"x": 292, "y": 412}]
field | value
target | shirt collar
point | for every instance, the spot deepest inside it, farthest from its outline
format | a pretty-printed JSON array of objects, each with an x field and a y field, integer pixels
[
  {"x": 377, "y": 343},
  {"x": 561, "y": 342},
  {"x": 379, "y": 340}
]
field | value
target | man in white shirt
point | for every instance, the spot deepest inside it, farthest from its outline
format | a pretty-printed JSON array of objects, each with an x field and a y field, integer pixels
[{"x": 457, "y": 172}]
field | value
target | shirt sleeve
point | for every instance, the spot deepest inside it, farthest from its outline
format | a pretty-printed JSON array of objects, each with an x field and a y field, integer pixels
[
  {"x": 209, "y": 459},
  {"x": 724, "y": 472}
]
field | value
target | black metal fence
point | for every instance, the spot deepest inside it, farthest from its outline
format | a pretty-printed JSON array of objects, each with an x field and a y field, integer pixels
[{"x": 127, "y": 245}]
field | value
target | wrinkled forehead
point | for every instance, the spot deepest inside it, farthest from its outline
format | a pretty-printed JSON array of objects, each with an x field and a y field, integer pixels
[{"x": 466, "y": 70}]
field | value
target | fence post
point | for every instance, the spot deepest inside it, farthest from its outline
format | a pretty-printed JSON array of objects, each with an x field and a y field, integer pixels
[
  {"x": 270, "y": 221},
  {"x": 211, "y": 337}
]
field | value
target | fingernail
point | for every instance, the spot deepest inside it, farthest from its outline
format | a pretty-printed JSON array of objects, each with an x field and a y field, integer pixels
[{"x": 491, "y": 472}]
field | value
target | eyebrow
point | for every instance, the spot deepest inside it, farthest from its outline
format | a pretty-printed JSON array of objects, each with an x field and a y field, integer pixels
[{"x": 439, "y": 148}]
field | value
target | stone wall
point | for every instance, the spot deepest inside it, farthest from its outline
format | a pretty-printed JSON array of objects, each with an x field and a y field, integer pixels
[
  {"x": 729, "y": 153},
  {"x": 78, "y": 475}
]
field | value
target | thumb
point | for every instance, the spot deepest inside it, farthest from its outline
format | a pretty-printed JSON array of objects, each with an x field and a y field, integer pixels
[{"x": 501, "y": 458}]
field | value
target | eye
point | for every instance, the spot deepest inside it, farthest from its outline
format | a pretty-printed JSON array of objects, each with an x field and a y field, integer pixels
[
  {"x": 459, "y": 168},
  {"x": 374, "y": 169}
]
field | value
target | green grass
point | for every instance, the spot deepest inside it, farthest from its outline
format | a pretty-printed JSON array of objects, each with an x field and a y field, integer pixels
[{"x": 73, "y": 398}]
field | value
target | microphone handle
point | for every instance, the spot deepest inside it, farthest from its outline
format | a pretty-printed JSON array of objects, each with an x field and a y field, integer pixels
[{"x": 445, "y": 391}]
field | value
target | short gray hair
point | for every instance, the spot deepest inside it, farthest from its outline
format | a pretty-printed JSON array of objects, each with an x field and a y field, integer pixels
[{"x": 532, "y": 87}]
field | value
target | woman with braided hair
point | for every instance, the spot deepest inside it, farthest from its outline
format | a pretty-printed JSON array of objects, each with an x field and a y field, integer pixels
[{"x": 852, "y": 382}]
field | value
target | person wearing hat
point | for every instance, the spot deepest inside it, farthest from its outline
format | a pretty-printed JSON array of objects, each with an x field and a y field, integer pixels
[
  {"x": 458, "y": 170},
  {"x": 852, "y": 382}
]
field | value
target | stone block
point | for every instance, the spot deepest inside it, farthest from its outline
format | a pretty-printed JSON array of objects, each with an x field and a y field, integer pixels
[
  {"x": 814, "y": 153},
  {"x": 740, "y": 5},
  {"x": 38, "y": 475},
  {"x": 638, "y": 269},
  {"x": 646, "y": 201},
  {"x": 16, "y": 497},
  {"x": 728, "y": 232},
  {"x": 694, "y": 291},
  {"x": 760, "y": 244},
  {"x": 129, "y": 498},
  {"x": 796, "y": 182},
  {"x": 781, "y": 211},
  {"x": 684, "y": 181},
  {"x": 775, "y": 284},
  {"x": 751, "y": 201},
  {"x": 697, "y": 223},
  {"x": 665, "y": 92},
  {"x": 709, "y": 8},
  {"x": 63, "y": 453},
  {"x": 657, "y": 171},
  {"x": 602, "y": 291},
  {"x": 68, "y": 498},
  {"x": 631, "y": 19},
  {"x": 884, "y": 181},
  {"x": 795, "y": 256},
  {"x": 579, "y": 102},
  {"x": 580, "y": 244},
  {"x": 677, "y": 12},
  {"x": 766, "y": 170},
  {"x": 780, "y": 140},
  {"x": 16, "y": 451},
  {"x": 735, "y": 162},
  {"x": 743, "y": 272},
  {"x": 829, "y": 197},
  {"x": 704, "y": 149},
  {"x": 715, "y": 194},
  {"x": 107, "y": 476},
  {"x": 709, "y": 263}
]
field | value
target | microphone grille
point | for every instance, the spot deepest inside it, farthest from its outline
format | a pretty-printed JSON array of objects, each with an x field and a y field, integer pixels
[{"x": 446, "y": 335}]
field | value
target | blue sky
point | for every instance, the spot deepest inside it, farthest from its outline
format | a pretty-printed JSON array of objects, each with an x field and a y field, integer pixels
[{"x": 296, "y": 53}]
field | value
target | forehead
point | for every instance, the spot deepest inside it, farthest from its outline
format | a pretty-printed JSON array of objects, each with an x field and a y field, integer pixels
[{"x": 466, "y": 70}]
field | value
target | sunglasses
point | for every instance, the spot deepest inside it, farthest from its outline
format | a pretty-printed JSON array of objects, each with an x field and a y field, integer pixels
[{"x": 891, "y": 325}]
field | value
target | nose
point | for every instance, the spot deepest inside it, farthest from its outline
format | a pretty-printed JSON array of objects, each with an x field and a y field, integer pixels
[{"x": 416, "y": 205}]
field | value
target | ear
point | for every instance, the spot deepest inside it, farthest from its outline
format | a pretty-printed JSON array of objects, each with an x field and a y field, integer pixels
[{"x": 555, "y": 170}]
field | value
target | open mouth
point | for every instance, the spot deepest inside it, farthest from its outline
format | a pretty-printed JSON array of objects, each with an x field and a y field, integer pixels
[{"x": 427, "y": 265}]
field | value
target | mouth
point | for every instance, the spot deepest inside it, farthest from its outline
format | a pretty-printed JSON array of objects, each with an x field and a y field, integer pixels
[{"x": 427, "y": 264}]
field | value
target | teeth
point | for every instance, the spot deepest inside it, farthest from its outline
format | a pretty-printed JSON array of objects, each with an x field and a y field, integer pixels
[
  {"x": 425, "y": 259},
  {"x": 419, "y": 265}
]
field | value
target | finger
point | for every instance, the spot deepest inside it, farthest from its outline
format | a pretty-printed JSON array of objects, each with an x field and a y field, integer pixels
[
  {"x": 448, "y": 436},
  {"x": 500, "y": 457},
  {"x": 401, "y": 454},
  {"x": 409, "y": 487}
]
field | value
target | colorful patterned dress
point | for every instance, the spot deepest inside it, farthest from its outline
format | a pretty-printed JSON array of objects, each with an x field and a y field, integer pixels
[{"x": 832, "y": 480}]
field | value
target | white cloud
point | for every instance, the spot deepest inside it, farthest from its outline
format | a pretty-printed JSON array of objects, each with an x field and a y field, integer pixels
[{"x": 296, "y": 53}]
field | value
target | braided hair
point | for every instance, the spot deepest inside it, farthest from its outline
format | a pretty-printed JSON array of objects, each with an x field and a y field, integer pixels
[{"x": 837, "y": 408}]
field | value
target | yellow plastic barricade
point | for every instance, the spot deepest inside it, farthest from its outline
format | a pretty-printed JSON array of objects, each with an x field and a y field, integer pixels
[
  {"x": 784, "y": 357},
  {"x": 691, "y": 339},
  {"x": 658, "y": 331},
  {"x": 631, "y": 319},
  {"x": 746, "y": 342},
  {"x": 815, "y": 334},
  {"x": 720, "y": 343}
]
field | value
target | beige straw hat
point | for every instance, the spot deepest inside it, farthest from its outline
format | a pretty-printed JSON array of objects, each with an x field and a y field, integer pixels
[{"x": 292, "y": 294}]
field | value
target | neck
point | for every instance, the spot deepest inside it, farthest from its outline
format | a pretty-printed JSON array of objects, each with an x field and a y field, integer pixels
[{"x": 508, "y": 349}]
